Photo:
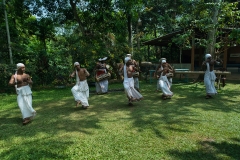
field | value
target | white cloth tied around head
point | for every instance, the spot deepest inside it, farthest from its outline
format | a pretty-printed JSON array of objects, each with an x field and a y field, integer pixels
[
  {"x": 127, "y": 59},
  {"x": 76, "y": 63},
  {"x": 128, "y": 55},
  {"x": 164, "y": 61},
  {"x": 104, "y": 59},
  {"x": 207, "y": 56},
  {"x": 19, "y": 65}
]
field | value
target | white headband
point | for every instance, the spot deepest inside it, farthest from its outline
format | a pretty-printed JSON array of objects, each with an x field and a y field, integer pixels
[
  {"x": 164, "y": 61},
  {"x": 160, "y": 60},
  {"x": 128, "y": 55},
  {"x": 104, "y": 59},
  {"x": 19, "y": 65},
  {"x": 76, "y": 63},
  {"x": 207, "y": 56},
  {"x": 127, "y": 59}
]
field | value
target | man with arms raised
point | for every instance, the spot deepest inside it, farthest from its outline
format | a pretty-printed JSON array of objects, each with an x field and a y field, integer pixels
[
  {"x": 161, "y": 66},
  {"x": 209, "y": 76},
  {"x": 164, "y": 83},
  {"x": 81, "y": 90},
  {"x": 128, "y": 83},
  {"x": 136, "y": 69},
  {"x": 21, "y": 80}
]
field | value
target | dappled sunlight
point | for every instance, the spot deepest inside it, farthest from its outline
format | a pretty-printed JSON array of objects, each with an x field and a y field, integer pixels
[
  {"x": 179, "y": 122},
  {"x": 210, "y": 149}
]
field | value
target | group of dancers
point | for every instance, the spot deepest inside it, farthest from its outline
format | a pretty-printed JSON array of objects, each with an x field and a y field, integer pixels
[{"x": 130, "y": 71}]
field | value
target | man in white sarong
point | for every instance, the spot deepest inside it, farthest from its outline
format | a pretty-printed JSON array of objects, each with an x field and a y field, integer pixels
[
  {"x": 158, "y": 76},
  {"x": 128, "y": 83},
  {"x": 135, "y": 69},
  {"x": 209, "y": 76},
  {"x": 164, "y": 83},
  {"x": 101, "y": 68},
  {"x": 81, "y": 90},
  {"x": 21, "y": 80}
]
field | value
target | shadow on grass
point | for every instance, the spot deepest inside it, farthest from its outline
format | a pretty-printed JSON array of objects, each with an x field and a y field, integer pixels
[
  {"x": 56, "y": 113},
  {"x": 211, "y": 150},
  {"x": 40, "y": 148}
]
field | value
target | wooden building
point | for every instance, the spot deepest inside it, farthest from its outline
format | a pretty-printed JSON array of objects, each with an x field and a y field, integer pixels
[{"x": 194, "y": 56}]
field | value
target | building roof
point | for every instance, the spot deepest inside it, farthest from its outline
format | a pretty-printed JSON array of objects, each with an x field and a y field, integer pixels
[
  {"x": 166, "y": 39},
  {"x": 162, "y": 40}
]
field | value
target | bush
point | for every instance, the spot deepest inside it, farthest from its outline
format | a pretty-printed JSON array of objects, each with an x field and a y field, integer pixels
[{"x": 6, "y": 71}]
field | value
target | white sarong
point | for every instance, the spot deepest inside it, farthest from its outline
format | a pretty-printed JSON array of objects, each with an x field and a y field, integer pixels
[
  {"x": 209, "y": 81},
  {"x": 81, "y": 92},
  {"x": 128, "y": 84},
  {"x": 170, "y": 82},
  {"x": 102, "y": 86},
  {"x": 165, "y": 86},
  {"x": 24, "y": 100},
  {"x": 136, "y": 82},
  {"x": 158, "y": 82}
]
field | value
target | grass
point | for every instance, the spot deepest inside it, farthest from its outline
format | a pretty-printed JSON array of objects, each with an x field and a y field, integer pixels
[{"x": 187, "y": 127}]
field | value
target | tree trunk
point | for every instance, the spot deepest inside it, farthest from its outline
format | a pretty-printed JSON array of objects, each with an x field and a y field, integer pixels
[
  {"x": 212, "y": 33},
  {"x": 8, "y": 34},
  {"x": 74, "y": 9},
  {"x": 129, "y": 24}
]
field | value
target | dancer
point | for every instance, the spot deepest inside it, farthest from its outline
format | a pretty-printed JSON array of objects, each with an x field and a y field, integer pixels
[
  {"x": 21, "y": 80},
  {"x": 128, "y": 83},
  {"x": 164, "y": 83},
  {"x": 81, "y": 90},
  {"x": 169, "y": 75},
  {"x": 102, "y": 74},
  {"x": 136, "y": 70},
  {"x": 209, "y": 76}
]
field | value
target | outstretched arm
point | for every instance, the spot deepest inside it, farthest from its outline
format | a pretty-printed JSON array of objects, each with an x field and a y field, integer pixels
[
  {"x": 72, "y": 75},
  {"x": 11, "y": 81}
]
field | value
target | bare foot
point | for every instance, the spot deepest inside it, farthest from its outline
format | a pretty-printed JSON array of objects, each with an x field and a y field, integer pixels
[
  {"x": 26, "y": 121},
  {"x": 78, "y": 103}
]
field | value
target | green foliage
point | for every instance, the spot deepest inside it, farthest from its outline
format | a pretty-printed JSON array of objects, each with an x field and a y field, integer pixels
[
  {"x": 48, "y": 36},
  {"x": 6, "y": 72}
]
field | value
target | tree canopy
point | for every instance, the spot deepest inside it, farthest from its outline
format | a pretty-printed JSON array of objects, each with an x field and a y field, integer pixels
[{"x": 49, "y": 35}]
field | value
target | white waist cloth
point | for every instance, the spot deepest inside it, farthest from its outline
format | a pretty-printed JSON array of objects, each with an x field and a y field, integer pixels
[
  {"x": 24, "y": 100},
  {"x": 102, "y": 86},
  {"x": 209, "y": 82},
  {"x": 165, "y": 85},
  {"x": 130, "y": 90},
  {"x": 136, "y": 82},
  {"x": 81, "y": 92},
  {"x": 158, "y": 83}
]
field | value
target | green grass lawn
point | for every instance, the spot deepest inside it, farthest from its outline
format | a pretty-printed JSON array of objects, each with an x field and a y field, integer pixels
[{"x": 188, "y": 126}]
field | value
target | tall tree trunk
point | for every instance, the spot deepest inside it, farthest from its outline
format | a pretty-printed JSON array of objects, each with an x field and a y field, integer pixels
[
  {"x": 129, "y": 24},
  {"x": 212, "y": 33},
  {"x": 8, "y": 34},
  {"x": 74, "y": 9}
]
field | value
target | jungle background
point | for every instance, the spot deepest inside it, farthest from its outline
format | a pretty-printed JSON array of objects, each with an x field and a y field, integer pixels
[{"x": 48, "y": 36}]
